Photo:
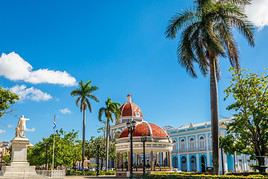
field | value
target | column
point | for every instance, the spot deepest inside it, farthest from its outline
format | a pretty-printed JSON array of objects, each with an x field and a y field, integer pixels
[
  {"x": 188, "y": 162},
  {"x": 152, "y": 160},
  {"x": 170, "y": 160},
  {"x": 162, "y": 159},
  {"x": 179, "y": 162},
  {"x": 196, "y": 147},
  {"x": 156, "y": 158},
  {"x": 208, "y": 156},
  {"x": 197, "y": 162}
]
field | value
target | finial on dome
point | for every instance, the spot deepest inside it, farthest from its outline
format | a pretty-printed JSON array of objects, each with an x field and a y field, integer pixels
[{"x": 129, "y": 98}]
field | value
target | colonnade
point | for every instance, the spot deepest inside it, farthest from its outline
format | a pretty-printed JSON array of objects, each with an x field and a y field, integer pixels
[{"x": 154, "y": 160}]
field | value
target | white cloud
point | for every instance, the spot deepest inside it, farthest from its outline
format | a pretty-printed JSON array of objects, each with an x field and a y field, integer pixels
[
  {"x": 65, "y": 111},
  {"x": 257, "y": 13},
  {"x": 30, "y": 129},
  {"x": 14, "y": 67},
  {"x": 31, "y": 93},
  {"x": 2, "y": 131},
  {"x": 9, "y": 126}
]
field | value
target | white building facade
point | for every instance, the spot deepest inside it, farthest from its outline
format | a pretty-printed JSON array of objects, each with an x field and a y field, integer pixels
[{"x": 192, "y": 149}]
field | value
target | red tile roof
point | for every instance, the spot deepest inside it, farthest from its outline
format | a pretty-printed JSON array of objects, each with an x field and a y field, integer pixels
[
  {"x": 130, "y": 109},
  {"x": 146, "y": 129}
]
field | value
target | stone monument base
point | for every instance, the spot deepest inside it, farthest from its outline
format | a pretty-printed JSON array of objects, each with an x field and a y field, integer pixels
[{"x": 19, "y": 167}]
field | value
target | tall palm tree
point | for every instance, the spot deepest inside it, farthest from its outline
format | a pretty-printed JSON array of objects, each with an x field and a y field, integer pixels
[
  {"x": 207, "y": 35},
  {"x": 84, "y": 94},
  {"x": 111, "y": 111}
]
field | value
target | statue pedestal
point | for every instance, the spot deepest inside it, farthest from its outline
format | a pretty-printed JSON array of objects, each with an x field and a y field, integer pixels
[{"x": 19, "y": 166}]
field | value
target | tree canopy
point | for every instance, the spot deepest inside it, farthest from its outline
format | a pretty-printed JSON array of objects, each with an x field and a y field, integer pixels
[
  {"x": 249, "y": 125},
  {"x": 7, "y": 98},
  {"x": 67, "y": 150},
  {"x": 207, "y": 33}
]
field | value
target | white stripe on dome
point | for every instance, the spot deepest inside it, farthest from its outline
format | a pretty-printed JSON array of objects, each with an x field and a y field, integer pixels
[
  {"x": 150, "y": 128},
  {"x": 165, "y": 131},
  {"x": 123, "y": 106}
]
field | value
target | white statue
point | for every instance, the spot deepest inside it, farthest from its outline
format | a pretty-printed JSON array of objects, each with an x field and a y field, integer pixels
[{"x": 20, "y": 129}]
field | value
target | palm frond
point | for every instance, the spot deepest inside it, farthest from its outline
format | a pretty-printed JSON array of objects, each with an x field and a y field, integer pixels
[
  {"x": 88, "y": 105},
  {"x": 239, "y": 2},
  {"x": 77, "y": 101},
  {"x": 179, "y": 21},
  {"x": 213, "y": 42},
  {"x": 230, "y": 44},
  {"x": 244, "y": 27},
  {"x": 101, "y": 112},
  {"x": 93, "y": 98},
  {"x": 76, "y": 92},
  {"x": 185, "y": 52},
  {"x": 200, "y": 53},
  {"x": 93, "y": 88}
]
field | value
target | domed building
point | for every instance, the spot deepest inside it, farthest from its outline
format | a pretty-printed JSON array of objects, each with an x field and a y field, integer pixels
[
  {"x": 129, "y": 111},
  {"x": 147, "y": 137}
]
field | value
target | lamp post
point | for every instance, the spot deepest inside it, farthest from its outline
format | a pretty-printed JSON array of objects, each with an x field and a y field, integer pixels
[
  {"x": 131, "y": 127},
  {"x": 143, "y": 139},
  {"x": 98, "y": 158},
  {"x": 46, "y": 144}
]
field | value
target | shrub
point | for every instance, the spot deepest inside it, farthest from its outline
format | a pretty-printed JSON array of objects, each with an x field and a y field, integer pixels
[
  {"x": 73, "y": 172},
  {"x": 188, "y": 175}
]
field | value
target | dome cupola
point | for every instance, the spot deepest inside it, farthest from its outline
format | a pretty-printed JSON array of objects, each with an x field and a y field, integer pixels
[{"x": 130, "y": 110}]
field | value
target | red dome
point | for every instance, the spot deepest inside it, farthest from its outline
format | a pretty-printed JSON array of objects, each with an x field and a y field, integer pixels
[
  {"x": 130, "y": 109},
  {"x": 146, "y": 129}
]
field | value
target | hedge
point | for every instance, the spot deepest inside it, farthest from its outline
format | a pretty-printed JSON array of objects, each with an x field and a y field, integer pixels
[
  {"x": 173, "y": 175},
  {"x": 88, "y": 173}
]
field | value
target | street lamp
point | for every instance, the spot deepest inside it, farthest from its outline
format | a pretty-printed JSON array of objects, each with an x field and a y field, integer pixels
[
  {"x": 131, "y": 127},
  {"x": 46, "y": 145},
  {"x": 98, "y": 158},
  {"x": 143, "y": 139}
]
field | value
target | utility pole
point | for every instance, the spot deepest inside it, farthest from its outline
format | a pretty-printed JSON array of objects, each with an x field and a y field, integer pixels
[{"x": 53, "y": 148}]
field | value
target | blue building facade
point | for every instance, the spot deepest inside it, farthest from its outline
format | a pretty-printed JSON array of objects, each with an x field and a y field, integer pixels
[{"x": 192, "y": 148}]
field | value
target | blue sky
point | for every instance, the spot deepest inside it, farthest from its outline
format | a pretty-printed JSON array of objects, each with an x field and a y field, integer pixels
[{"x": 120, "y": 46}]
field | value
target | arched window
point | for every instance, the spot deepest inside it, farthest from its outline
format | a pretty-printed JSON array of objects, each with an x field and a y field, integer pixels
[
  {"x": 174, "y": 145},
  {"x": 175, "y": 162},
  {"x": 183, "y": 163},
  {"x": 191, "y": 144},
  {"x": 210, "y": 141},
  {"x": 202, "y": 143},
  {"x": 182, "y": 145}
]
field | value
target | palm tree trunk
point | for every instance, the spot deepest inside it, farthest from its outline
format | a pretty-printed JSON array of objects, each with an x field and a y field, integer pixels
[
  {"x": 83, "y": 140},
  {"x": 107, "y": 144},
  {"x": 214, "y": 114}
]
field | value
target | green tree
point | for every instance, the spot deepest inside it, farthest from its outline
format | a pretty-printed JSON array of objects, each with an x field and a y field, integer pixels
[
  {"x": 96, "y": 148},
  {"x": 231, "y": 146},
  {"x": 7, "y": 98},
  {"x": 6, "y": 157},
  {"x": 67, "y": 150},
  {"x": 111, "y": 111},
  {"x": 250, "y": 122},
  {"x": 84, "y": 94},
  {"x": 207, "y": 35}
]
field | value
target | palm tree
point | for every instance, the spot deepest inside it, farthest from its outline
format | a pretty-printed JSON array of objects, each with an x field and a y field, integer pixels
[
  {"x": 111, "y": 111},
  {"x": 207, "y": 35},
  {"x": 84, "y": 94}
]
